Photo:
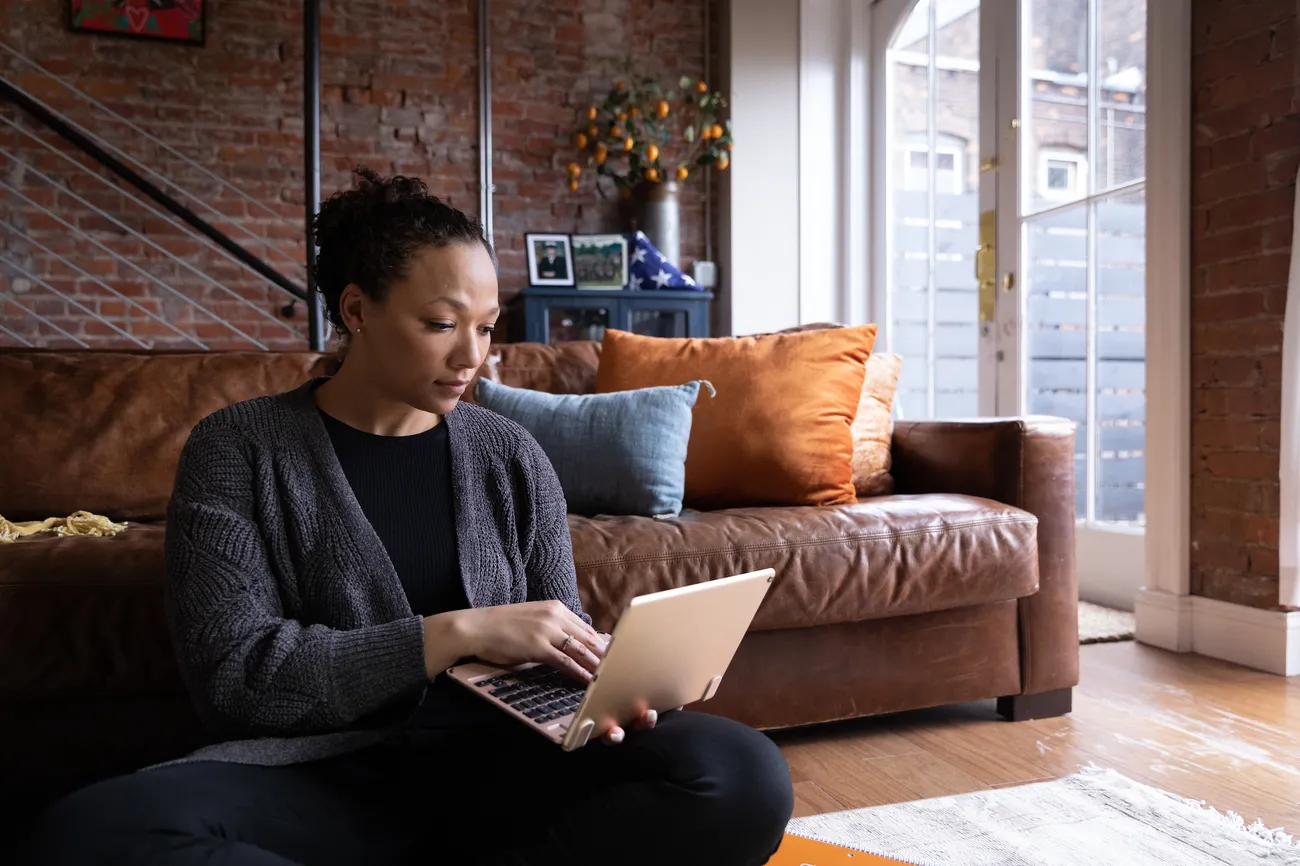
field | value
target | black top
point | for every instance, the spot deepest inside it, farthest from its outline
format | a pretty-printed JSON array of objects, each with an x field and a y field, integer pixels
[{"x": 403, "y": 484}]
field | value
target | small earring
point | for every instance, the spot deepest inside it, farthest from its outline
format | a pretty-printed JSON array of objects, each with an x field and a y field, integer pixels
[{"x": 358, "y": 330}]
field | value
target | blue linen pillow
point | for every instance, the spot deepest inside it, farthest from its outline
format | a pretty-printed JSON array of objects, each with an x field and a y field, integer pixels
[{"x": 619, "y": 453}]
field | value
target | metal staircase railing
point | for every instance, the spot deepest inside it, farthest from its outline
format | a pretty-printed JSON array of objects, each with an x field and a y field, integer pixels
[{"x": 99, "y": 249}]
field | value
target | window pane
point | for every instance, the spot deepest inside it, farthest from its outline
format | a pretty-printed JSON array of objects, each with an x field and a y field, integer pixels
[
  {"x": 1122, "y": 76},
  {"x": 1121, "y": 358},
  {"x": 1056, "y": 256},
  {"x": 934, "y": 208},
  {"x": 1056, "y": 83}
]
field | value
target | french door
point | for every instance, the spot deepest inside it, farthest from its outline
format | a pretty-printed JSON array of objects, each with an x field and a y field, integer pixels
[{"x": 1010, "y": 152}]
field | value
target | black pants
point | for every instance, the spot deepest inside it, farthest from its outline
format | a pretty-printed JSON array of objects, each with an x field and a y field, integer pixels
[{"x": 697, "y": 789}]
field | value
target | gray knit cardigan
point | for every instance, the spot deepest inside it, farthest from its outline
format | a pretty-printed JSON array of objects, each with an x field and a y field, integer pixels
[{"x": 291, "y": 628}]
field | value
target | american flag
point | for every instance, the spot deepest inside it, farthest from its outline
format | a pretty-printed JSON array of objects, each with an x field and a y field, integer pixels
[{"x": 650, "y": 271}]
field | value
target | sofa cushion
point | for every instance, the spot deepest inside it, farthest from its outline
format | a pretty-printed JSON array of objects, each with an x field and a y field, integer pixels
[
  {"x": 779, "y": 431},
  {"x": 873, "y": 426},
  {"x": 621, "y": 453},
  {"x": 883, "y": 557},
  {"x": 83, "y": 617},
  {"x": 103, "y": 431},
  {"x": 565, "y": 368}
]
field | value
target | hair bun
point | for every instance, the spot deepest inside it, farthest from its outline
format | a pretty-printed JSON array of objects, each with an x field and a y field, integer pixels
[{"x": 366, "y": 235}]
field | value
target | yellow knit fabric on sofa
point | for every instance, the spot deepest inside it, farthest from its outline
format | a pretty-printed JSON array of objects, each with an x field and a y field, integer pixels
[{"x": 77, "y": 523}]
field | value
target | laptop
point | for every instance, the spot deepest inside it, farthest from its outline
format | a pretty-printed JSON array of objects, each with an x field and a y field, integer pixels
[{"x": 669, "y": 649}]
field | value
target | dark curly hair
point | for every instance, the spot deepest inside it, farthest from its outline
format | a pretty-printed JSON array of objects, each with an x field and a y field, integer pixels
[{"x": 368, "y": 234}]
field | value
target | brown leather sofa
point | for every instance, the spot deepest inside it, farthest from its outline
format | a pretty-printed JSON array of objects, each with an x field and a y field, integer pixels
[{"x": 959, "y": 587}]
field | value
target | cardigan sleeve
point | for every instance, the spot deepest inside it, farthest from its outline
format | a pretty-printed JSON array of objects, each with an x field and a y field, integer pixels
[
  {"x": 251, "y": 670},
  {"x": 549, "y": 554}
]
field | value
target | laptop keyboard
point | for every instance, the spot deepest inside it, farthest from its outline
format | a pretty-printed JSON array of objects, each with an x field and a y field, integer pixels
[{"x": 541, "y": 693}]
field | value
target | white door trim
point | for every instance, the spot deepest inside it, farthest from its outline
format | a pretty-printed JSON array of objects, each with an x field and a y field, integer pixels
[
  {"x": 885, "y": 17},
  {"x": 1163, "y": 619}
]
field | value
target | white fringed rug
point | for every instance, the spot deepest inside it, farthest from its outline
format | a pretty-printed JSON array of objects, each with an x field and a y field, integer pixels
[
  {"x": 1094, "y": 818},
  {"x": 1099, "y": 624}
]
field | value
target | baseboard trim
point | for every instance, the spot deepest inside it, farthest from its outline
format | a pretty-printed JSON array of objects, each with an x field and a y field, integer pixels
[
  {"x": 1164, "y": 620},
  {"x": 1266, "y": 640}
]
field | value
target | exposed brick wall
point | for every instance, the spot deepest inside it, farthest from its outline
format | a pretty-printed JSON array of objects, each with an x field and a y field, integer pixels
[
  {"x": 1245, "y": 71},
  {"x": 551, "y": 59},
  {"x": 400, "y": 85}
]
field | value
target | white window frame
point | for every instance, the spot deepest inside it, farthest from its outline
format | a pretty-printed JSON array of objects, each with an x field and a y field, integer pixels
[{"x": 1078, "y": 190}]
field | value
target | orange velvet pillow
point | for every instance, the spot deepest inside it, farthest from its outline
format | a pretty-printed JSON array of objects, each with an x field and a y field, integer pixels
[{"x": 779, "y": 431}]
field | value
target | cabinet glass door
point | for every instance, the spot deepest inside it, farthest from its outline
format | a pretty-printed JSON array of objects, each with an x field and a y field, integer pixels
[
  {"x": 658, "y": 323},
  {"x": 566, "y": 324}
]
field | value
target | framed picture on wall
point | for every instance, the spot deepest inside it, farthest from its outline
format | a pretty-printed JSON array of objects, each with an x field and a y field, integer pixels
[
  {"x": 600, "y": 261},
  {"x": 550, "y": 259},
  {"x": 167, "y": 20}
]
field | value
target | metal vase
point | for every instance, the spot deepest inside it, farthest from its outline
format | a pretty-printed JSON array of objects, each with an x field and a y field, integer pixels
[{"x": 659, "y": 216}]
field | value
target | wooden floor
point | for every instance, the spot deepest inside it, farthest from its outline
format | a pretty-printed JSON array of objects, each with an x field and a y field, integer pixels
[{"x": 1198, "y": 727}]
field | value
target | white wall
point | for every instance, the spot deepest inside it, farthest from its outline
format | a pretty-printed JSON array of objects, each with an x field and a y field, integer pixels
[
  {"x": 793, "y": 225},
  {"x": 760, "y": 236}
]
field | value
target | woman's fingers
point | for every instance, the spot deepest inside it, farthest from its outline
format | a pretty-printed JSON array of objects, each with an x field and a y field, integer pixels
[
  {"x": 575, "y": 626},
  {"x": 578, "y": 651},
  {"x": 552, "y": 656},
  {"x": 647, "y": 721},
  {"x": 614, "y": 735}
]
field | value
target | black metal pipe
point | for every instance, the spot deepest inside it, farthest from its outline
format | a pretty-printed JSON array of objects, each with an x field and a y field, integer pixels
[
  {"x": 74, "y": 137},
  {"x": 311, "y": 161},
  {"x": 485, "y": 117}
]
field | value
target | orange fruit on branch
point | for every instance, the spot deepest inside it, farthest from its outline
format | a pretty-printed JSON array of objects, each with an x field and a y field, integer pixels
[
  {"x": 715, "y": 131},
  {"x": 615, "y": 132},
  {"x": 628, "y": 143},
  {"x": 652, "y": 174},
  {"x": 682, "y": 172},
  {"x": 601, "y": 152},
  {"x": 652, "y": 152},
  {"x": 591, "y": 113},
  {"x": 722, "y": 161},
  {"x": 574, "y": 169},
  {"x": 593, "y": 130},
  {"x": 580, "y": 140},
  {"x": 573, "y": 184},
  {"x": 661, "y": 108},
  {"x": 701, "y": 87}
]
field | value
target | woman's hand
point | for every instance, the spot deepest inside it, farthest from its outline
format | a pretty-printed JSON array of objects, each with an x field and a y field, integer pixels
[
  {"x": 535, "y": 631},
  {"x": 647, "y": 721},
  {"x": 510, "y": 634}
]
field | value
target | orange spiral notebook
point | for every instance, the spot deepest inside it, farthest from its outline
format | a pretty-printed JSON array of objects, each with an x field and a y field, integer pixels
[{"x": 798, "y": 851}]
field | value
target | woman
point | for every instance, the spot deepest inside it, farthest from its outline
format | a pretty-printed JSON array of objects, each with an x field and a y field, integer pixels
[{"x": 331, "y": 550}]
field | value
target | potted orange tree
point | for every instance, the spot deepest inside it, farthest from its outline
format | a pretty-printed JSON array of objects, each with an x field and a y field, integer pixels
[{"x": 643, "y": 141}]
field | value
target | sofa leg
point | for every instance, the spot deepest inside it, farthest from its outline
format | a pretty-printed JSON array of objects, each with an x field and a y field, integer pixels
[{"x": 1022, "y": 708}]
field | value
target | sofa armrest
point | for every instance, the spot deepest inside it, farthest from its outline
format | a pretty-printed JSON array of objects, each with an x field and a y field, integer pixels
[{"x": 1028, "y": 463}]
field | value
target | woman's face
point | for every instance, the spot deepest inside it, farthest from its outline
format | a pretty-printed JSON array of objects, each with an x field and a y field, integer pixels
[{"x": 423, "y": 343}]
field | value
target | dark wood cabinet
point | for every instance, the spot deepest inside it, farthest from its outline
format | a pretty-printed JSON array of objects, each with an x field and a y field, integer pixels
[{"x": 564, "y": 315}]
